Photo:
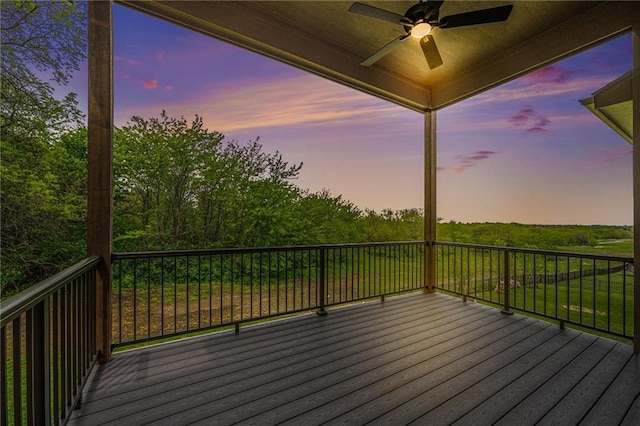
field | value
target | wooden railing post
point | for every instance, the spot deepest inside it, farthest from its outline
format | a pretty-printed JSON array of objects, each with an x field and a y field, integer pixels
[
  {"x": 507, "y": 285},
  {"x": 430, "y": 266},
  {"x": 323, "y": 281}
]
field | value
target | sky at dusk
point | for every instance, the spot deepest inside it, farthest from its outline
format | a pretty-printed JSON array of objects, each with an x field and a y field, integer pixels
[{"x": 524, "y": 152}]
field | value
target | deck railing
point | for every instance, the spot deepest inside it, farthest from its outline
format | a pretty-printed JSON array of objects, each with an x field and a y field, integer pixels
[
  {"x": 48, "y": 346},
  {"x": 160, "y": 294},
  {"x": 587, "y": 290},
  {"x": 48, "y": 332}
]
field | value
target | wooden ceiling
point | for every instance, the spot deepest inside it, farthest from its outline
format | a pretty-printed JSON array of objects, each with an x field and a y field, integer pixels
[{"x": 323, "y": 37}]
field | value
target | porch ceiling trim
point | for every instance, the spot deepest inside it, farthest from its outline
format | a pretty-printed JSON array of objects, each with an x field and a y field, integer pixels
[{"x": 613, "y": 105}]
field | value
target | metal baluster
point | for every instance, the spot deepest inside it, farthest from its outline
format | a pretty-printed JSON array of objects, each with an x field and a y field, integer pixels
[
  {"x": 507, "y": 274},
  {"x": 323, "y": 282}
]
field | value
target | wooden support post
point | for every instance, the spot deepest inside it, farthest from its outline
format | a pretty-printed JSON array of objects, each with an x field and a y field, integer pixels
[
  {"x": 635, "y": 83},
  {"x": 430, "y": 168},
  {"x": 99, "y": 163}
]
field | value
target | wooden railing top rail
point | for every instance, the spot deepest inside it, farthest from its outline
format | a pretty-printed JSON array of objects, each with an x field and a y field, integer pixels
[
  {"x": 25, "y": 300},
  {"x": 595, "y": 256},
  {"x": 214, "y": 251}
]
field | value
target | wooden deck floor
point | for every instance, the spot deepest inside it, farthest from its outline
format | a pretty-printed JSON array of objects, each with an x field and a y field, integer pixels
[{"x": 422, "y": 358}]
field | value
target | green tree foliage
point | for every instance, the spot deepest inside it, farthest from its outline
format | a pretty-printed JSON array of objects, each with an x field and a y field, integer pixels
[
  {"x": 327, "y": 219},
  {"x": 158, "y": 164},
  {"x": 178, "y": 185},
  {"x": 394, "y": 225},
  {"x": 43, "y": 164},
  {"x": 43, "y": 43}
]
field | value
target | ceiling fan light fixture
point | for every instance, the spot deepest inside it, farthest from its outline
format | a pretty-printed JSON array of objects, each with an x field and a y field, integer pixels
[{"x": 420, "y": 30}]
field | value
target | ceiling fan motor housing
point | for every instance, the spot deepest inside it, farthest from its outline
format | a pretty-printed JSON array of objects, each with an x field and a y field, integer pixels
[{"x": 416, "y": 14}]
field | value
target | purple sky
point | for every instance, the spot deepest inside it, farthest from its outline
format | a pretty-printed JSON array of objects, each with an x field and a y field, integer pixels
[{"x": 524, "y": 152}]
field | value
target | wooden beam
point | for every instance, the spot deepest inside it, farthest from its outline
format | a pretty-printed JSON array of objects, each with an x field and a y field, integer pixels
[
  {"x": 99, "y": 163},
  {"x": 636, "y": 179},
  {"x": 430, "y": 170}
]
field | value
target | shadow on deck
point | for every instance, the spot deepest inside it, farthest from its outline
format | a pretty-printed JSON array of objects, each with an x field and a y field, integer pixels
[{"x": 425, "y": 358}]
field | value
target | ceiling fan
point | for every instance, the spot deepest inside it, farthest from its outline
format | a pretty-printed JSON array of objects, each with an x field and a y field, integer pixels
[{"x": 420, "y": 19}]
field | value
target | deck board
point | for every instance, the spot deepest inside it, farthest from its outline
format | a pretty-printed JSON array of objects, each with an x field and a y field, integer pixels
[
  {"x": 432, "y": 390},
  {"x": 350, "y": 394},
  {"x": 632, "y": 416},
  {"x": 543, "y": 399},
  {"x": 499, "y": 403},
  {"x": 619, "y": 397},
  {"x": 484, "y": 389},
  {"x": 424, "y": 358},
  {"x": 572, "y": 408}
]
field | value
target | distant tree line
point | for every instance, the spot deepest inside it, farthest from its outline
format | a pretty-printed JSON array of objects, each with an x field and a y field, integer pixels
[{"x": 543, "y": 237}]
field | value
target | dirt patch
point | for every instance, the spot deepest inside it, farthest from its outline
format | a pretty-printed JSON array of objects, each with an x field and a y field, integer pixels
[
  {"x": 575, "y": 308},
  {"x": 155, "y": 310}
]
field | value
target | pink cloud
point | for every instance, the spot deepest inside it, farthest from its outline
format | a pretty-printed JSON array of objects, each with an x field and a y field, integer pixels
[
  {"x": 168, "y": 87},
  {"x": 159, "y": 56},
  {"x": 475, "y": 156},
  {"x": 550, "y": 75},
  {"x": 616, "y": 155},
  {"x": 151, "y": 84},
  {"x": 467, "y": 161},
  {"x": 529, "y": 118},
  {"x": 291, "y": 101},
  {"x": 522, "y": 116},
  {"x": 517, "y": 91}
]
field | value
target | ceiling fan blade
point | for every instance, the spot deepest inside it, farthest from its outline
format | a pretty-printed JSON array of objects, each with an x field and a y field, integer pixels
[
  {"x": 386, "y": 49},
  {"x": 485, "y": 16},
  {"x": 430, "y": 50},
  {"x": 432, "y": 9},
  {"x": 374, "y": 12}
]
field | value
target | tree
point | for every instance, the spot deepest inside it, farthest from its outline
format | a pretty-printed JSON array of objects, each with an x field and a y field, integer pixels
[
  {"x": 178, "y": 185},
  {"x": 39, "y": 38},
  {"x": 42, "y": 44},
  {"x": 159, "y": 165},
  {"x": 329, "y": 219},
  {"x": 258, "y": 200},
  {"x": 43, "y": 200}
]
